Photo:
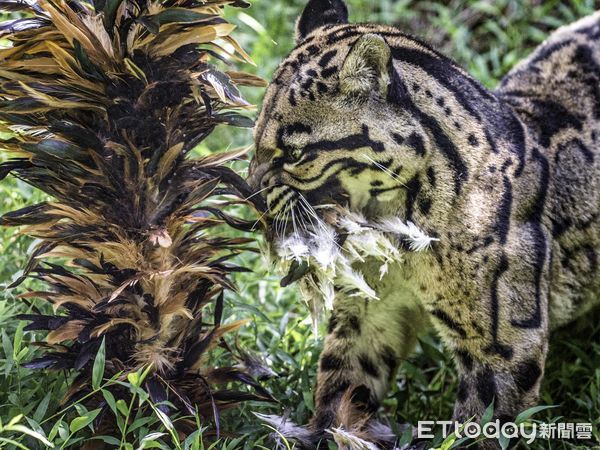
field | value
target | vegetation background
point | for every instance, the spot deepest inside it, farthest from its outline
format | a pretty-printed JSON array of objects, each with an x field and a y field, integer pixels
[{"x": 488, "y": 38}]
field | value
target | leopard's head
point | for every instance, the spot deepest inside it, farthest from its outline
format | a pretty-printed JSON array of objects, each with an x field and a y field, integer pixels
[{"x": 338, "y": 124}]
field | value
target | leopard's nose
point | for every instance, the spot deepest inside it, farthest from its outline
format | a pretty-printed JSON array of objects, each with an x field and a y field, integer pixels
[{"x": 256, "y": 173}]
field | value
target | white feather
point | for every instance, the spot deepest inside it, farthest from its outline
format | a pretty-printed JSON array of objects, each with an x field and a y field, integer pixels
[
  {"x": 417, "y": 239},
  {"x": 328, "y": 291},
  {"x": 347, "y": 441},
  {"x": 293, "y": 247},
  {"x": 383, "y": 270},
  {"x": 350, "y": 226},
  {"x": 323, "y": 247},
  {"x": 332, "y": 265},
  {"x": 350, "y": 280}
]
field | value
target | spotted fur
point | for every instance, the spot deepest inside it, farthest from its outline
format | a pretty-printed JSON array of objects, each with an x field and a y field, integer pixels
[{"x": 508, "y": 180}]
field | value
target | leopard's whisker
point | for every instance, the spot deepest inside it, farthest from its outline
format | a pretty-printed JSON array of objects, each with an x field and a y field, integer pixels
[
  {"x": 384, "y": 169},
  {"x": 259, "y": 192},
  {"x": 260, "y": 218}
]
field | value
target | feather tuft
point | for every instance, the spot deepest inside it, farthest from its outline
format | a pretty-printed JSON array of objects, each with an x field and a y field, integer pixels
[{"x": 328, "y": 252}]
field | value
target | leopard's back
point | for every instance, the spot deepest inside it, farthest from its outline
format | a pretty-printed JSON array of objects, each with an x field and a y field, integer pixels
[{"x": 556, "y": 93}]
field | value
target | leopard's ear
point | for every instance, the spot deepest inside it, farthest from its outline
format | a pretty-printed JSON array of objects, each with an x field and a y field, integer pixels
[
  {"x": 367, "y": 68},
  {"x": 318, "y": 13}
]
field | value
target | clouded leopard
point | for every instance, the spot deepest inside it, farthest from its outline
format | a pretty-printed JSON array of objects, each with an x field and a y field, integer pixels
[{"x": 507, "y": 180}]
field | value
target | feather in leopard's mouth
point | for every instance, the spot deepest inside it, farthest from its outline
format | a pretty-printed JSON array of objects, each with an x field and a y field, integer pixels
[{"x": 320, "y": 250}]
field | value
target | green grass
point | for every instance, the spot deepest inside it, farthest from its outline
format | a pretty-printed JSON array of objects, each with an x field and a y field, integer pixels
[{"x": 487, "y": 37}]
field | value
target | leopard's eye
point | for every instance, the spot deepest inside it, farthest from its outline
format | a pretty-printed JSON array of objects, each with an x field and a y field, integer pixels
[{"x": 295, "y": 154}]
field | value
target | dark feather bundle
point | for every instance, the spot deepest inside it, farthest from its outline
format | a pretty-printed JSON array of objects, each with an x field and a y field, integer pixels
[{"x": 103, "y": 101}]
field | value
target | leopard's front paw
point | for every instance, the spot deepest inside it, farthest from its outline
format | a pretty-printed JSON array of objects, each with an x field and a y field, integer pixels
[
  {"x": 367, "y": 435},
  {"x": 305, "y": 437}
]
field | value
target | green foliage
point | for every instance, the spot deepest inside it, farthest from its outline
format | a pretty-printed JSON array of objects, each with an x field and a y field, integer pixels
[{"x": 488, "y": 38}]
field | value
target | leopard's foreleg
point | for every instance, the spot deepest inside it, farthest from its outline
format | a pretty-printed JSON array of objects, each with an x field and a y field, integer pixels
[{"x": 366, "y": 341}]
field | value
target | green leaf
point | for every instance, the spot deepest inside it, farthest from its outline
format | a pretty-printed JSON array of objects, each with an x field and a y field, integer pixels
[
  {"x": 406, "y": 437},
  {"x": 55, "y": 429},
  {"x": 18, "y": 340},
  {"x": 530, "y": 412},
  {"x": 448, "y": 442},
  {"x": 89, "y": 67},
  {"x": 152, "y": 437},
  {"x": 42, "y": 407},
  {"x": 7, "y": 347},
  {"x": 122, "y": 407},
  {"x": 98, "y": 369},
  {"x": 134, "y": 378},
  {"x": 140, "y": 422},
  {"x": 12, "y": 442},
  {"x": 164, "y": 419},
  {"x": 108, "y": 440},
  {"x": 110, "y": 400},
  {"x": 81, "y": 422},
  {"x": 15, "y": 420},
  {"x": 504, "y": 441},
  {"x": 488, "y": 413},
  {"x": 34, "y": 434}
]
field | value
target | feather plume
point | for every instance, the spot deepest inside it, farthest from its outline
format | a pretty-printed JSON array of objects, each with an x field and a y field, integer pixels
[
  {"x": 104, "y": 101},
  {"x": 327, "y": 265}
]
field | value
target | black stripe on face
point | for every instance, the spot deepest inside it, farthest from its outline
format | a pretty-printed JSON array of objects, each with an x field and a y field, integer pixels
[
  {"x": 413, "y": 188},
  {"x": 352, "y": 142},
  {"x": 289, "y": 130},
  {"x": 284, "y": 196},
  {"x": 415, "y": 141},
  {"x": 329, "y": 191},
  {"x": 345, "y": 164}
]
